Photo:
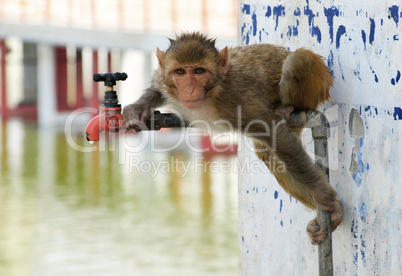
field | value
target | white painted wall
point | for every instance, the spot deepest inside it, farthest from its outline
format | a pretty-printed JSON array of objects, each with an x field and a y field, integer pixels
[{"x": 361, "y": 41}]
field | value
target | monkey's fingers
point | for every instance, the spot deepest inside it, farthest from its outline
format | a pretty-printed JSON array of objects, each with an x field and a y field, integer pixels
[
  {"x": 336, "y": 215},
  {"x": 317, "y": 235},
  {"x": 135, "y": 125}
]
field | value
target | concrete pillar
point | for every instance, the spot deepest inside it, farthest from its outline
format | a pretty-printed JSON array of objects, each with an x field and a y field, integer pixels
[{"x": 47, "y": 110}]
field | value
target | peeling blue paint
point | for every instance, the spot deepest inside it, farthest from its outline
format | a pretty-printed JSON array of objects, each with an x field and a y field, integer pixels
[
  {"x": 363, "y": 246},
  {"x": 269, "y": 12},
  {"x": 395, "y": 80},
  {"x": 330, "y": 13},
  {"x": 394, "y": 14},
  {"x": 276, "y": 194},
  {"x": 254, "y": 20},
  {"x": 340, "y": 67},
  {"x": 246, "y": 9},
  {"x": 395, "y": 37},
  {"x": 341, "y": 30},
  {"x": 330, "y": 62},
  {"x": 297, "y": 12},
  {"x": 314, "y": 30},
  {"x": 280, "y": 206},
  {"x": 293, "y": 30},
  {"x": 372, "y": 31},
  {"x": 364, "y": 38},
  {"x": 277, "y": 12},
  {"x": 246, "y": 38},
  {"x": 397, "y": 113},
  {"x": 354, "y": 228},
  {"x": 281, "y": 223},
  {"x": 310, "y": 14},
  {"x": 363, "y": 212},
  {"x": 356, "y": 72},
  {"x": 375, "y": 75}
]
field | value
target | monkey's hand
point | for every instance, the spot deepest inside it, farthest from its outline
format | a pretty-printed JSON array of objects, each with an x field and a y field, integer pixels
[
  {"x": 318, "y": 234},
  {"x": 135, "y": 115},
  {"x": 284, "y": 111}
]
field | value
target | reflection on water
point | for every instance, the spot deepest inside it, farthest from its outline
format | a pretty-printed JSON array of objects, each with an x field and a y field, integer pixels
[{"x": 67, "y": 212}]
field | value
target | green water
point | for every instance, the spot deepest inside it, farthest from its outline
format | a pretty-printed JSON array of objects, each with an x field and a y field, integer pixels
[{"x": 68, "y": 212}]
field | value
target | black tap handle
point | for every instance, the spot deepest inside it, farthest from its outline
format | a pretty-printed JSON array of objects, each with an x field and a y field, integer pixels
[
  {"x": 110, "y": 79},
  {"x": 160, "y": 120}
]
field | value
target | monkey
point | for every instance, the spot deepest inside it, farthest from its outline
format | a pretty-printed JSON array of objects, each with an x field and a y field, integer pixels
[{"x": 251, "y": 87}]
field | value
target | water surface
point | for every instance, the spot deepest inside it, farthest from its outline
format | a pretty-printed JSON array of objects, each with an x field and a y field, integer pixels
[{"x": 68, "y": 212}]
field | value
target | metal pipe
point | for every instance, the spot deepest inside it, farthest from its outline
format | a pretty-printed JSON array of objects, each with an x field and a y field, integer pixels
[{"x": 320, "y": 131}]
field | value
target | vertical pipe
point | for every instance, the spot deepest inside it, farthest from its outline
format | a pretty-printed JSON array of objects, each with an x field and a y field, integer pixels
[
  {"x": 80, "y": 88},
  {"x": 61, "y": 78},
  {"x": 95, "y": 93},
  {"x": 3, "y": 90},
  {"x": 320, "y": 135},
  {"x": 109, "y": 61}
]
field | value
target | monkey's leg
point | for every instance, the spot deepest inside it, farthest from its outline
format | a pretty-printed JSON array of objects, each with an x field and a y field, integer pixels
[
  {"x": 299, "y": 191},
  {"x": 289, "y": 149},
  {"x": 283, "y": 176}
]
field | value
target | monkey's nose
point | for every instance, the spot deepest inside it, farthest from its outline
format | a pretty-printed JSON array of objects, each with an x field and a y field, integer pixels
[{"x": 189, "y": 90}]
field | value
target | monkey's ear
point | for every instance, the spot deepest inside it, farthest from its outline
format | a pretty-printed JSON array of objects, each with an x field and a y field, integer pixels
[
  {"x": 224, "y": 63},
  {"x": 160, "y": 55}
]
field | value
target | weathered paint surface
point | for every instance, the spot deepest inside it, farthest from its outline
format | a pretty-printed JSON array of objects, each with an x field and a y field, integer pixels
[{"x": 361, "y": 41}]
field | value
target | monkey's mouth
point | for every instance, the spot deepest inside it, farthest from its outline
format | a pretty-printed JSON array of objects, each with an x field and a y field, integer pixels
[{"x": 192, "y": 103}]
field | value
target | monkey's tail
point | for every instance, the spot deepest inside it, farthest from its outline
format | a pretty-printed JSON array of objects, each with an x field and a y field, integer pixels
[{"x": 305, "y": 80}]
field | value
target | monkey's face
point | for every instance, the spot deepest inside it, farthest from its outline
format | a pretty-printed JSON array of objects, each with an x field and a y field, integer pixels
[
  {"x": 191, "y": 67},
  {"x": 191, "y": 82}
]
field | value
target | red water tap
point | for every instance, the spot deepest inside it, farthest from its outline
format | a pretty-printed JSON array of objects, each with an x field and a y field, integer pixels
[{"x": 109, "y": 118}]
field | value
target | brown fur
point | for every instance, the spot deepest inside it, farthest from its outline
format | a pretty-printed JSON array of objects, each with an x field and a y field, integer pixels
[{"x": 260, "y": 80}]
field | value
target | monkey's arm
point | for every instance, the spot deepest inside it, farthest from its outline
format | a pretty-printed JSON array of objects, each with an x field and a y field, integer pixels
[{"x": 136, "y": 113}]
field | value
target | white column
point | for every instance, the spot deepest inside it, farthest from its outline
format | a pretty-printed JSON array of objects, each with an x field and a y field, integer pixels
[{"x": 46, "y": 86}]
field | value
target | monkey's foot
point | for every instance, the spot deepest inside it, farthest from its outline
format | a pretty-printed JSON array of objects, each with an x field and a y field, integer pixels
[{"x": 318, "y": 234}]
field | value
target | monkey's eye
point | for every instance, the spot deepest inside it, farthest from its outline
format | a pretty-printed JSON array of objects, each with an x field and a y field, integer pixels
[
  {"x": 180, "y": 71},
  {"x": 199, "y": 70}
]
